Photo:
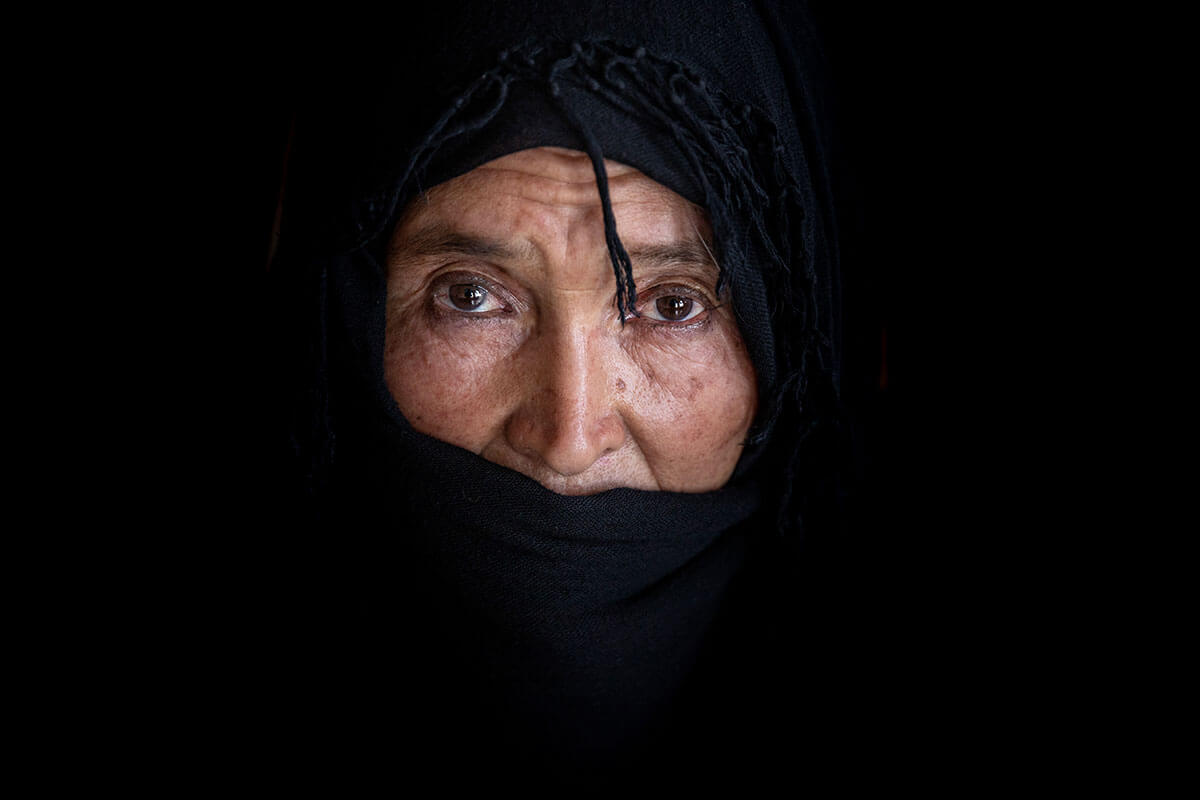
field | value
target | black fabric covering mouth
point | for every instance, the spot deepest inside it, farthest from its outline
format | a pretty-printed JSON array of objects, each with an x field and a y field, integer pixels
[
  {"x": 537, "y": 628},
  {"x": 486, "y": 610}
]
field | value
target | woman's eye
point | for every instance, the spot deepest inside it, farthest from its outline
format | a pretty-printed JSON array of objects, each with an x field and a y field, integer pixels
[
  {"x": 674, "y": 308},
  {"x": 471, "y": 297}
]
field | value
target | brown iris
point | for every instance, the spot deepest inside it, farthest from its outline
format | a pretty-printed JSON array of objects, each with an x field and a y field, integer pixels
[
  {"x": 467, "y": 296},
  {"x": 674, "y": 307}
]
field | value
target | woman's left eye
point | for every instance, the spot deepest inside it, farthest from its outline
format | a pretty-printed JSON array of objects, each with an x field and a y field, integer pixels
[{"x": 673, "y": 308}]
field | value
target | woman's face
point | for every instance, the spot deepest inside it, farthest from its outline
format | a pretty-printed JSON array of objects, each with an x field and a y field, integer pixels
[{"x": 504, "y": 338}]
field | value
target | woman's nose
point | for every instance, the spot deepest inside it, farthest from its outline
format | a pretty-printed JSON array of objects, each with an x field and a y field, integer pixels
[{"x": 567, "y": 417}]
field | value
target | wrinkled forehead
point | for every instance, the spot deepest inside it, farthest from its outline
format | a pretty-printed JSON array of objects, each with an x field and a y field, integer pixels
[
  {"x": 543, "y": 203},
  {"x": 558, "y": 178}
]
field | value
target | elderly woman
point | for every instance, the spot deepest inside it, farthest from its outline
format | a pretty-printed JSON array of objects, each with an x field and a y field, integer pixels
[{"x": 561, "y": 292}]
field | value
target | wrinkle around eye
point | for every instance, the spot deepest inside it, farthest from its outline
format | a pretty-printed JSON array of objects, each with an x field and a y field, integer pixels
[
  {"x": 499, "y": 301},
  {"x": 663, "y": 349},
  {"x": 450, "y": 298},
  {"x": 702, "y": 306}
]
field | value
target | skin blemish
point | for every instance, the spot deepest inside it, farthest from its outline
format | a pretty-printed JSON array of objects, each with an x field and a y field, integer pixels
[
  {"x": 620, "y": 385},
  {"x": 648, "y": 371}
]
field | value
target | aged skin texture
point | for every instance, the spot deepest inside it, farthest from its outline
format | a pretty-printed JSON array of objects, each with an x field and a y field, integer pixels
[{"x": 504, "y": 338}]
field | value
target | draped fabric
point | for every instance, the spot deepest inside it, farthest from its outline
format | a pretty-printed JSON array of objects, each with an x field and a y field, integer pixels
[{"x": 463, "y": 602}]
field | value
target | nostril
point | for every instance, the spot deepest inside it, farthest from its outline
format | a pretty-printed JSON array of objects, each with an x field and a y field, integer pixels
[{"x": 565, "y": 437}]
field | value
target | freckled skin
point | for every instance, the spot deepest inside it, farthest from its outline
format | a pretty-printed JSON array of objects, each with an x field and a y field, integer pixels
[{"x": 547, "y": 381}]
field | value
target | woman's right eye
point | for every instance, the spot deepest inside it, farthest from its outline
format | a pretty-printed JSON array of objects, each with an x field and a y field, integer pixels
[{"x": 471, "y": 298}]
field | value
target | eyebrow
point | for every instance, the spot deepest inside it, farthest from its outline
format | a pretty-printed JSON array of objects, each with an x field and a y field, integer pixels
[
  {"x": 440, "y": 239},
  {"x": 685, "y": 253}
]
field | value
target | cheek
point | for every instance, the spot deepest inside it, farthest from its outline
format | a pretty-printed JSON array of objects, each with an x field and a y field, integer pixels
[
  {"x": 696, "y": 397},
  {"x": 445, "y": 375}
]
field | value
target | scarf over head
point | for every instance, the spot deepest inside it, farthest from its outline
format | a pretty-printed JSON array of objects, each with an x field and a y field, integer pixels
[{"x": 485, "y": 611}]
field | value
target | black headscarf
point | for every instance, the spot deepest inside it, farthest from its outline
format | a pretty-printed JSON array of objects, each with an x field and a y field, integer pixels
[{"x": 466, "y": 602}]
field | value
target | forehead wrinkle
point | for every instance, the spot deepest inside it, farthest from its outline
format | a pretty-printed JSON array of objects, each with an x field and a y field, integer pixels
[
  {"x": 551, "y": 190},
  {"x": 568, "y": 165},
  {"x": 666, "y": 247},
  {"x": 574, "y": 185}
]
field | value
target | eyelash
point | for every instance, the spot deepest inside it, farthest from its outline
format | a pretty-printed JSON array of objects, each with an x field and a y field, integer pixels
[
  {"x": 656, "y": 293},
  {"x": 447, "y": 281}
]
